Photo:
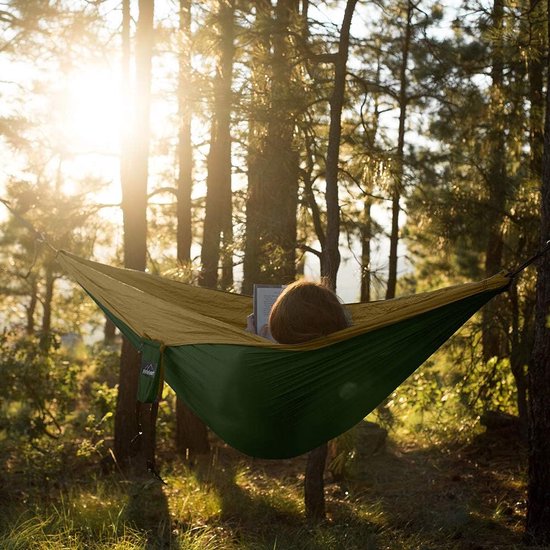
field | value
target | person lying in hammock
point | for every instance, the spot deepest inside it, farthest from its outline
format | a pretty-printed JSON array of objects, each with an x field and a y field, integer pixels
[{"x": 305, "y": 311}]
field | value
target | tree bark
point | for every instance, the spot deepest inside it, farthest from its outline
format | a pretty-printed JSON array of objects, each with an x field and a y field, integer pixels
[
  {"x": 538, "y": 491},
  {"x": 518, "y": 359},
  {"x": 191, "y": 433},
  {"x": 330, "y": 259},
  {"x": 314, "y": 487},
  {"x": 185, "y": 151},
  {"x": 536, "y": 96},
  {"x": 256, "y": 132},
  {"x": 134, "y": 173},
  {"x": 369, "y": 182},
  {"x": 366, "y": 236},
  {"x": 496, "y": 183},
  {"x": 46, "y": 327},
  {"x": 272, "y": 202},
  {"x": 109, "y": 331},
  {"x": 218, "y": 223},
  {"x": 31, "y": 308},
  {"x": 398, "y": 183},
  {"x": 330, "y": 256}
]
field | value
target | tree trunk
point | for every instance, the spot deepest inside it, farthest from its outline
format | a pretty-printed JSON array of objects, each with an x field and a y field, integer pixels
[
  {"x": 536, "y": 96},
  {"x": 134, "y": 187},
  {"x": 517, "y": 358},
  {"x": 185, "y": 151},
  {"x": 191, "y": 433},
  {"x": 134, "y": 173},
  {"x": 31, "y": 308},
  {"x": 398, "y": 183},
  {"x": 314, "y": 487},
  {"x": 330, "y": 257},
  {"x": 109, "y": 332},
  {"x": 366, "y": 236},
  {"x": 272, "y": 202},
  {"x": 256, "y": 133},
  {"x": 496, "y": 182},
  {"x": 538, "y": 491},
  {"x": 46, "y": 327},
  {"x": 218, "y": 214},
  {"x": 369, "y": 182}
]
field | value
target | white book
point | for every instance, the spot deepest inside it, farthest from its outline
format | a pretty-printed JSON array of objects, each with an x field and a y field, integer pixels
[{"x": 264, "y": 298}]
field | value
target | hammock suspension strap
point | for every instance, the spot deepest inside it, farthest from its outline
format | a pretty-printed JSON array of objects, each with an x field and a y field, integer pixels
[
  {"x": 151, "y": 383},
  {"x": 529, "y": 261}
]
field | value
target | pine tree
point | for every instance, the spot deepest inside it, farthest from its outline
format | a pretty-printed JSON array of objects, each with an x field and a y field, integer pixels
[
  {"x": 191, "y": 432},
  {"x": 134, "y": 207},
  {"x": 538, "y": 506},
  {"x": 218, "y": 219},
  {"x": 272, "y": 197}
]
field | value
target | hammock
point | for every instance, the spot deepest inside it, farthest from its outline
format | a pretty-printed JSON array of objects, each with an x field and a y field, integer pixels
[{"x": 270, "y": 400}]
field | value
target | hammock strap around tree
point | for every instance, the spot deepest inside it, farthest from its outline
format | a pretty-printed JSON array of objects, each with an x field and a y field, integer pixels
[{"x": 544, "y": 250}]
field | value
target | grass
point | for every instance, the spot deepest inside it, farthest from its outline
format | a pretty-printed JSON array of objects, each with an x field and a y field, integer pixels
[{"x": 409, "y": 497}]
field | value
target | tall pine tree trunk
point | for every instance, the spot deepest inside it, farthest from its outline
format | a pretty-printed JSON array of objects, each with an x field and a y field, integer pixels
[
  {"x": 185, "y": 150},
  {"x": 134, "y": 173},
  {"x": 521, "y": 338},
  {"x": 366, "y": 237},
  {"x": 517, "y": 357},
  {"x": 399, "y": 172},
  {"x": 536, "y": 96},
  {"x": 256, "y": 132},
  {"x": 369, "y": 181},
  {"x": 330, "y": 259},
  {"x": 496, "y": 186},
  {"x": 218, "y": 213},
  {"x": 538, "y": 493},
  {"x": 46, "y": 328},
  {"x": 272, "y": 202},
  {"x": 191, "y": 432},
  {"x": 31, "y": 308},
  {"x": 109, "y": 332}
]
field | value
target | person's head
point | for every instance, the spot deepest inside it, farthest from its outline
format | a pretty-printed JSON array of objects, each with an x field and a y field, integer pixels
[{"x": 305, "y": 311}]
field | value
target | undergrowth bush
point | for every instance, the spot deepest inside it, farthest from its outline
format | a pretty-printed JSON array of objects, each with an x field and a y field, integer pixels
[
  {"x": 56, "y": 405},
  {"x": 445, "y": 398},
  {"x": 39, "y": 385}
]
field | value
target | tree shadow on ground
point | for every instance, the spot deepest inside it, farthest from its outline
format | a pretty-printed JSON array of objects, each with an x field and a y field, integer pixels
[
  {"x": 258, "y": 503},
  {"x": 147, "y": 510},
  {"x": 470, "y": 497},
  {"x": 461, "y": 497}
]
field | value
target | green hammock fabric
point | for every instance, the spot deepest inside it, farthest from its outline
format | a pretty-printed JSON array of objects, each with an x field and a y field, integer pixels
[{"x": 264, "y": 399}]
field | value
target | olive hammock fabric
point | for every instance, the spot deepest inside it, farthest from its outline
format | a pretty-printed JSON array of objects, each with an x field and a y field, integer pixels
[{"x": 265, "y": 399}]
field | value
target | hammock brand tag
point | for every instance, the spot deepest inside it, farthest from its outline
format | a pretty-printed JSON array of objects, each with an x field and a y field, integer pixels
[
  {"x": 150, "y": 369},
  {"x": 150, "y": 372}
]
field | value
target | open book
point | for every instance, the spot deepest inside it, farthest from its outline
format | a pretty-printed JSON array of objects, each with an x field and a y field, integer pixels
[{"x": 264, "y": 298}]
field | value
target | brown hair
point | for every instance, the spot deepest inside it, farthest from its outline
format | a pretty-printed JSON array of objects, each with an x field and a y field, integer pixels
[{"x": 305, "y": 311}]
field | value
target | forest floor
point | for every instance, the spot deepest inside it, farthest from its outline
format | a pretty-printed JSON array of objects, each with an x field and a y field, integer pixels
[{"x": 409, "y": 497}]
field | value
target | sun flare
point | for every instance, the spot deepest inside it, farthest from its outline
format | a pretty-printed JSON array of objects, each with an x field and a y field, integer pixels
[{"x": 92, "y": 111}]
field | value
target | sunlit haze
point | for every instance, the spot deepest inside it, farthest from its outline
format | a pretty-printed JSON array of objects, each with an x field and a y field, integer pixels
[{"x": 92, "y": 110}]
